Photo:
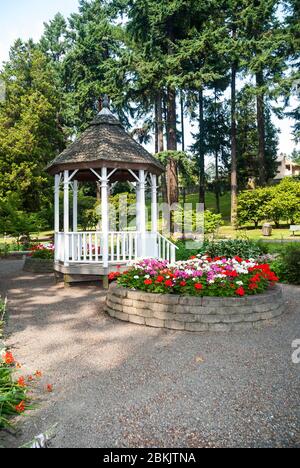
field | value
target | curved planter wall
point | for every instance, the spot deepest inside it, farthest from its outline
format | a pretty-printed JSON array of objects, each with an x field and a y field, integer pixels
[
  {"x": 194, "y": 313},
  {"x": 36, "y": 265}
]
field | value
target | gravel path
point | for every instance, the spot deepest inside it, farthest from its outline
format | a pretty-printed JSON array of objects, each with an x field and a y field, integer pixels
[{"x": 121, "y": 385}]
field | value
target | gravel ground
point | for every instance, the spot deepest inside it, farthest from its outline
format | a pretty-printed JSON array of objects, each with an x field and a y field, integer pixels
[{"x": 121, "y": 385}]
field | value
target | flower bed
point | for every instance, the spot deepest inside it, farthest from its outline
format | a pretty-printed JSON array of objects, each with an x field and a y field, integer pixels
[
  {"x": 199, "y": 276},
  {"x": 41, "y": 259},
  {"x": 43, "y": 252}
]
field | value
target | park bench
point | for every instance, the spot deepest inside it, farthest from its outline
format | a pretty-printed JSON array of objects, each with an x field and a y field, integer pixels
[{"x": 294, "y": 229}]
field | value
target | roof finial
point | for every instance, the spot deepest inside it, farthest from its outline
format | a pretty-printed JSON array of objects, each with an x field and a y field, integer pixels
[{"x": 105, "y": 102}]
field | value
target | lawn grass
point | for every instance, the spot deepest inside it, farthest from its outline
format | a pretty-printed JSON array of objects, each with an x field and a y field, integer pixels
[{"x": 228, "y": 232}]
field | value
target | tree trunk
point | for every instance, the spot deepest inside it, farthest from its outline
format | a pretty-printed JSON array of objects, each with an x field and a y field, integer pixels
[
  {"x": 159, "y": 140},
  {"x": 261, "y": 129},
  {"x": 182, "y": 121},
  {"x": 217, "y": 186},
  {"x": 172, "y": 172},
  {"x": 160, "y": 123},
  {"x": 201, "y": 150},
  {"x": 156, "y": 125},
  {"x": 234, "y": 184}
]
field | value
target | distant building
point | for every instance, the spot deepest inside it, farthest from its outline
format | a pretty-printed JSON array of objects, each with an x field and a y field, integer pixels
[{"x": 286, "y": 168}]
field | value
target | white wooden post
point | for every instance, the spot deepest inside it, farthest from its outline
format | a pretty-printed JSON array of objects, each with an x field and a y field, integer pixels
[
  {"x": 104, "y": 210},
  {"x": 66, "y": 217},
  {"x": 56, "y": 203},
  {"x": 154, "y": 203},
  {"x": 75, "y": 206},
  {"x": 142, "y": 212},
  {"x": 138, "y": 198}
]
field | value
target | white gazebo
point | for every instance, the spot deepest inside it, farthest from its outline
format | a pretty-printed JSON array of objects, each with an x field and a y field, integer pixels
[{"x": 105, "y": 154}]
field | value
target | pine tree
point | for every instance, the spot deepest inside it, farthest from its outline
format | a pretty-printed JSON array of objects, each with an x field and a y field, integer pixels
[{"x": 30, "y": 134}]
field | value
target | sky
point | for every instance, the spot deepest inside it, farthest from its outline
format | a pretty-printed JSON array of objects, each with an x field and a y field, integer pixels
[{"x": 25, "y": 18}]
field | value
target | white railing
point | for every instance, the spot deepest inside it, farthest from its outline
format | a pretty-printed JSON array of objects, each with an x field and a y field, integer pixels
[
  {"x": 120, "y": 247},
  {"x": 166, "y": 249}
]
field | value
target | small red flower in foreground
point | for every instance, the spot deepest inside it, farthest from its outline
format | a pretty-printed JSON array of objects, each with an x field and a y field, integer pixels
[
  {"x": 21, "y": 382},
  {"x": 30, "y": 378},
  {"x": 168, "y": 283},
  {"x": 240, "y": 292},
  {"x": 49, "y": 388},
  {"x": 183, "y": 284},
  {"x": 198, "y": 286},
  {"x": 20, "y": 408},
  {"x": 8, "y": 358},
  {"x": 38, "y": 374},
  {"x": 193, "y": 257},
  {"x": 148, "y": 282},
  {"x": 160, "y": 279}
]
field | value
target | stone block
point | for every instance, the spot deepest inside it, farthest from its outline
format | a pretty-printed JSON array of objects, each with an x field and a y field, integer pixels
[
  {"x": 121, "y": 316},
  {"x": 174, "y": 325},
  {"x": 196, "y": 327},
  {"x": 153, "y": 322},
  {"x": 137, "y": 319}
]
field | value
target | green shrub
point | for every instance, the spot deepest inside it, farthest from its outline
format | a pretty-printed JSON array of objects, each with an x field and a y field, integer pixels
[
  {"x": 242, "y": 248},
  {"x": 277, "y": 203},
  {"x": 287, "y": 266}
]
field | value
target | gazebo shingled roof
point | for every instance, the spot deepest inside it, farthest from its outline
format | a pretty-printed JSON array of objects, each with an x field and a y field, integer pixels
[{"x": 105, "y": 143}]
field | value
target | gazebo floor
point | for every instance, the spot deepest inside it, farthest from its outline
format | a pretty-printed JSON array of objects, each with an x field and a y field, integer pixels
[{"x": 86, "y": 272}]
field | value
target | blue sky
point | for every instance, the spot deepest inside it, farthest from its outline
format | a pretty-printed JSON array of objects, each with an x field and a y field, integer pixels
[{"x": 25, "y": 19}]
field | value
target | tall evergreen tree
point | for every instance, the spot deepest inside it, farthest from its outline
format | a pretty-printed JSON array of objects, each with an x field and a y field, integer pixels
[{"x": 30, "y": 133}]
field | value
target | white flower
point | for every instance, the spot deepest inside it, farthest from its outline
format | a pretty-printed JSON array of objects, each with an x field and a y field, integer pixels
[
  {"x": 240, "y": 283},
  {"x": 136, "y": 277},
  {"x": 147, "y": 276}
]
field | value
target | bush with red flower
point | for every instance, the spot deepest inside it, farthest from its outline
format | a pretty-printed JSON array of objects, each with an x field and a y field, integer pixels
[
  {"x": 43, "y": 251},
  {"x": 14, "y": 399},
  {"x": 199, "y": 276}
]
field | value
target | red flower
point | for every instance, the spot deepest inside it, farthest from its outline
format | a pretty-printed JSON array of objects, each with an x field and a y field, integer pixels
[
  {"x": 20, "y": 408},
  {"x": 21, "y": 382},
  {"x": 255, "y": 279},
  {"x": 168, "y": 283},
  {"x": 253, "y": 286},
  {"x": 160, "y": 279},
  {"x": 49, "y": 388},
  {"x": 240, "y": 292},
  {"x": 193, "y": 257},
  {"x": 148, "y": 282},
  {"x": 198, "y": 286},
  {"x": 183, "y": 284},
  {"x": 114, "y": 275},
  {"x": 8, "y": 358},
  {"x": 231, "y": 274},
  {"x": 38, "y": 374},
  {"x": 238, "y": 259},
  {"x": 30, "y": 378}
]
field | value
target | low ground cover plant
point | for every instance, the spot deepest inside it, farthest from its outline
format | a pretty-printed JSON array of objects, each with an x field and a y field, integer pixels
[{"x": 199, "y": 276}]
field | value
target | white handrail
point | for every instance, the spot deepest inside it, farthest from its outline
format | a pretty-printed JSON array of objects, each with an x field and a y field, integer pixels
[
  {"x": 166, "y": 248},
  {"x": 123, "y": 247}
]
